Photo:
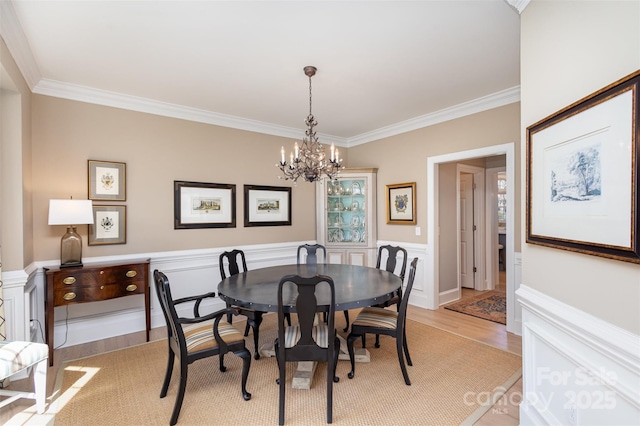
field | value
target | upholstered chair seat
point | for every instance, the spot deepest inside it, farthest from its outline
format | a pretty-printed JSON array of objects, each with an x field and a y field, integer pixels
[
  {"x": 377, "y": 317},
  {"x": 200, "y": 338}
]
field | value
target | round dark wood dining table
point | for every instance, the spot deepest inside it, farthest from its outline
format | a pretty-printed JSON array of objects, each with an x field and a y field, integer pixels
[{"x": 355, "y": 286}]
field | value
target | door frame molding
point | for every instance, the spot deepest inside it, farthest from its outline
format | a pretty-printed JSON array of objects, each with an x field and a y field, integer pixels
[
  {"x": 431, "y": 290},
  {"x": 491, "y": 198},
  {"x": 480, "y": 276}
]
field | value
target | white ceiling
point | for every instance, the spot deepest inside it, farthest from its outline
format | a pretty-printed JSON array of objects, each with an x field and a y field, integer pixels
[{"x": 384, "y": 67}]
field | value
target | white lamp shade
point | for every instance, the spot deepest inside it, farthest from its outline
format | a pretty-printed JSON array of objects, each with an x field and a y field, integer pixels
[{"x": 70, "y": 212}]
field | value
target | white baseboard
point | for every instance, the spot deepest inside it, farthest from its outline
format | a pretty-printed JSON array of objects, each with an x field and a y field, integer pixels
[
  {"x": 577, "y": 369},
  {"x": 449, "y": 296}
]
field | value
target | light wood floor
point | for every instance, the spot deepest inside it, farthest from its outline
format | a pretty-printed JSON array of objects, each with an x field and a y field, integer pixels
[{"x": 504, "y": 412}]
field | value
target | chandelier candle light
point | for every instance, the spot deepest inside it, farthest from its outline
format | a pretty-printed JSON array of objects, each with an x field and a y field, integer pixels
[{"x": 309, "y": 160}]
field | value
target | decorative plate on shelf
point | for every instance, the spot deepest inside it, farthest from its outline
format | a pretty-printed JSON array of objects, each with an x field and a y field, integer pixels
[
  {"x": 355, "y": 236},
  {"x": 355, "y": 221},
  {"x": 356, "y": 188}
]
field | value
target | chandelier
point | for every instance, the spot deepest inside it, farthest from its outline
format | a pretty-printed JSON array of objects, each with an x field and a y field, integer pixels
[{"x": 309, "y": 160}]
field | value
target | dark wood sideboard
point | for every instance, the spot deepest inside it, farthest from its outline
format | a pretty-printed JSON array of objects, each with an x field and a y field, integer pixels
[{"x": 94, "y": 283}]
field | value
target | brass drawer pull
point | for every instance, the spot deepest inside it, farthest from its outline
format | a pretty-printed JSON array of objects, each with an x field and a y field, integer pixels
[
  {"x": 132, "y": 287},
  {"x": 69, "y": 296},
  {"x": 131, "y": 274},
  {"x": 69, "y": 280}
]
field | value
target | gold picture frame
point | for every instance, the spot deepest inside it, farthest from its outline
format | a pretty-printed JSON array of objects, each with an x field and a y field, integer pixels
[
  {"x": 582, "y": 175},
  {"x": 401, "y": 203}
]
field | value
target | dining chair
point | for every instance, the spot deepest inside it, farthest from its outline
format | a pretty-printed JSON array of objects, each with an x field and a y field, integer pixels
[
  {"x": 376, "y": 320},
  {"x": 392, "y": 265},
  {"x": 312, "y": 259},
  {"x": 306, "y": 341},
  {"x": 231, "y": 263},
  {"x": 191, "y": 339},
  {"x": 311, "y": 250}
]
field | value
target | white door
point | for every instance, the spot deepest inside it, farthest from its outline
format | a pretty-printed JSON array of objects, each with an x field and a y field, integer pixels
[{"x": 467, "y": 263}]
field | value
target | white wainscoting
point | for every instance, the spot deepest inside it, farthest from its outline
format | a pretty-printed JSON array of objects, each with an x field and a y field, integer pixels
[
  {"x": 418, "y": 296},
  {"x": 577, "y": 369},
  {"x": 190, "y": 272}
]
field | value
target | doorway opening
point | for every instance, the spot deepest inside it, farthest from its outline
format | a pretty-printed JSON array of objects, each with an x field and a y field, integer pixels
[{"x": 436, "y": 238}]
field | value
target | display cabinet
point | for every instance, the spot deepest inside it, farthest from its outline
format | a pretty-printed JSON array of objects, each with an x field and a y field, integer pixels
[{"x": 347, "y": 217}]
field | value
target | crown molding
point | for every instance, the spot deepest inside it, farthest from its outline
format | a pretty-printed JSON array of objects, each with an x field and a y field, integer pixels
[
  {"x": 12, "y": 33},
  {"x": 495, "y": 100},
  {"x": 117, "y": 100},
  {"x": 14, "y": 38},
  {"x": 134, "y": 103},
  {"x": 518, "y": 5}
]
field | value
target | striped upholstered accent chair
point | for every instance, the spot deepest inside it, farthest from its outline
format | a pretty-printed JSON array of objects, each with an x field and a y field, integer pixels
[
  {"x": 306, "y": 341},
  {"x": 191, "y": 339},
  {"x": 376, "y": 320},
  {"x": 17, "y": 356}
]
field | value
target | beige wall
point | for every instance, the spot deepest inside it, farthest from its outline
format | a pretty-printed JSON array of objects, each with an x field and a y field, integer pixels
[
  {"x": 15, "y": 171},
  {"x": 569, "y": 50},
  {"x": 403, "y": 158},
  {"x": 448, "y": 223},
  {"x": 157, "y": 150}
]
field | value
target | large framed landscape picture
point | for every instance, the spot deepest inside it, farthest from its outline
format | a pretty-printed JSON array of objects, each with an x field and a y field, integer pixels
[
  {"x": 204, "y": 205},
  {"x": 582, "y": 175},
  {"x": 267, "y": 205}
]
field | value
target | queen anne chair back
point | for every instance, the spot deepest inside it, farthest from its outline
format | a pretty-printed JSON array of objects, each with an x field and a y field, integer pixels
[{"x": 306, "y": 341}]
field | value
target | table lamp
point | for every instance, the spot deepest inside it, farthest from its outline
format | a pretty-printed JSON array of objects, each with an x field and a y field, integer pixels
[{"x": 71, "y": 213}]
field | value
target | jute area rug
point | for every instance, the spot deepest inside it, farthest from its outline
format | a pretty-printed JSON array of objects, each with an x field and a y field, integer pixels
[
  {"x": 490, "y": 305},
  {"x": 452, "y": 380}
]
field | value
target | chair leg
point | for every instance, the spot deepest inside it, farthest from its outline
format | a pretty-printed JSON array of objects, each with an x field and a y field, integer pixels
[
  {"x": 246, "y": 328},
  {"x": 352, "y": 357},
  {"x": 406, "y": 348},
  {"x": 40, "y": 384},
  {"x": 281, "y": 383},
  {"x": 336, "y": 352},
  {"x": 346, "y": 317},
  {"x": 167, "y": 376},
  {"x": 223, "y": 368},
  {"x": 399, "y": 348},
  {"x": 288, "y": 318},
  {"x": 181, "y": 389},
  {"x": 377, "y": 345},
  {"x": 364, "y": 340},
  {"x": 330, "y": 373},
  {"x": 246, "y": 365}
]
